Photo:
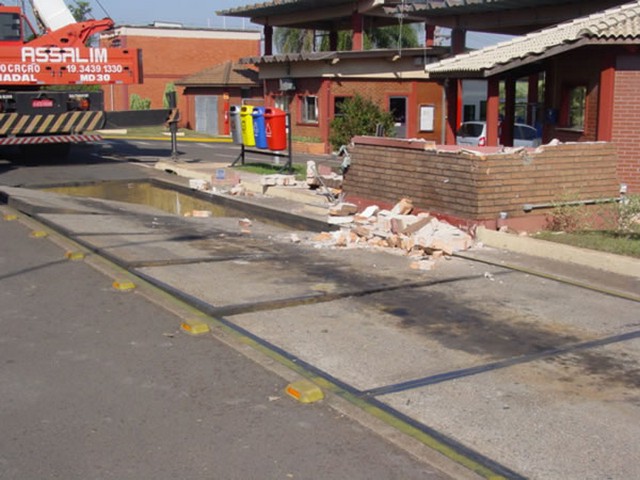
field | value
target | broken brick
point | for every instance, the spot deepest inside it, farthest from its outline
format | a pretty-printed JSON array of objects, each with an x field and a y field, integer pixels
[{"x": 343, "y": 209}]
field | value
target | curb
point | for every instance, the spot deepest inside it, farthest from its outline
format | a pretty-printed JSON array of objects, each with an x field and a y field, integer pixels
[
  {"x": 167, "y": 139},
  {"x": 292, "y": 194},
  {"x": 563, "y": 253}
]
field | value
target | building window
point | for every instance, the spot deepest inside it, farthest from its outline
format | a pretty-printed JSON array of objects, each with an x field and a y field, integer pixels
[
  {"x": 309, "y": 109},
  {"x": 577, "y": 104},
  {"x": 282, "y": 102},
  {"x": 338, "y": 102},
  {"x": 469, "y": 113},
  {"x": 574, "y": 105},
  {"x": 10, "y": 27}
]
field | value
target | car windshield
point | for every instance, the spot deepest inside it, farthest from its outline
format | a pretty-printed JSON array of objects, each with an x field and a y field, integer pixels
[
  {"x": 522, "y": 132},
  {"x": 470, "y": 130}
]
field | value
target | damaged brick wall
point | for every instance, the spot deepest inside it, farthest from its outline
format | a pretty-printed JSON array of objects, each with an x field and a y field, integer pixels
[{"x": 477, "y": 187}]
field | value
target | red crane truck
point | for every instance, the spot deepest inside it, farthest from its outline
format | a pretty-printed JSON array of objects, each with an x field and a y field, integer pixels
[{"x": 33, "y": 113}]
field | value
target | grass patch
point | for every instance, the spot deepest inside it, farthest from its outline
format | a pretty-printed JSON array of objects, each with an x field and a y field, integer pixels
[
  {"x": 300, "y": 171},
  {"x": 620, "y": 243},
  {"x": 298, "y": 138}
]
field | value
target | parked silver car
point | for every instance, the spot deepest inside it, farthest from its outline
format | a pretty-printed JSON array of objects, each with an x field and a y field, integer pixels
[{"x": 475, "y": 134}]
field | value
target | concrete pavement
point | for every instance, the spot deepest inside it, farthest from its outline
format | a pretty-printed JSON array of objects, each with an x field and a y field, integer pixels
[
  {"x": 101, "y": 384},
  {"x": 502, "y": 372}
]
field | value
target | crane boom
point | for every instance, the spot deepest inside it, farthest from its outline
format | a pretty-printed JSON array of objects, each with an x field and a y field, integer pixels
[{"x": 54, "y": 14}]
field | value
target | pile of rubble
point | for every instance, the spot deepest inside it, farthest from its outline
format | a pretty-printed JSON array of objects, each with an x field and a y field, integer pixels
[{"x": 421, "y": 236}]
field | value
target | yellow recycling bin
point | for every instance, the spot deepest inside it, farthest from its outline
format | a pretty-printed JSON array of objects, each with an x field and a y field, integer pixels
[{"x": 246, "y": 124}]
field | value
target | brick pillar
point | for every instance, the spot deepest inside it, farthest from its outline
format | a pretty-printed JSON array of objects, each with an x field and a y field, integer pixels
[
  {"x": 458, "y": 40},
  {"x": 430, "y": 35},
  {"x": 268, "y": 40},
  {"x": 493, "y": 111},
  {"x": 357, "y": 21},
  {"x": 452, "y": 111},
  {"x": 506, "y": 134},
  {"x": 333, "y": 40},
  {"x": 606, "y": 99}
]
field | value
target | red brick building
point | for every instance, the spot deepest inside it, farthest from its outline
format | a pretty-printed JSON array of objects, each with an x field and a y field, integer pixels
[
  {"x": 590, "y": 71},
  {"x": 311, "y": 86},
  {"x": 580, "y": 63},
  {"x": 209, "y": 94},
  {"x": 170, "y": 54}
]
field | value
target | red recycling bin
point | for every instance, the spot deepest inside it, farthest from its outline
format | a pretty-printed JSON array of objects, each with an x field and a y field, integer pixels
[{"x": 276, "y": 128}]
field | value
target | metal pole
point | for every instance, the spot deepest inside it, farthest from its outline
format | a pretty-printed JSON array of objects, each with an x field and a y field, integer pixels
[{"x": 173, "y": 123}]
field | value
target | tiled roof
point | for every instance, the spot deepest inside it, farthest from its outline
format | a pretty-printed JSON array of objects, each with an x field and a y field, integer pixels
[
  {"x": 619, "y": 25},
  {"x": 279, "y": 7},
  {"x": 225, "y": 74}
]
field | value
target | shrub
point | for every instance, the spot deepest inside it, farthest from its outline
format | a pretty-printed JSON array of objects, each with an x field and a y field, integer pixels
[
  {"x": 629, "y": 214},
  {"x": 138, "y": 103},
  {"x": 568, "y": 215},
  {"x": 359, "y": 116},
  {"x": 169, "y": 87}
]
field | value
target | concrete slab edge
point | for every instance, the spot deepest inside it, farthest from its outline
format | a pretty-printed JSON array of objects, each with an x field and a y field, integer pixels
[
  {"x": 556, "y": 251},
  {"x": 293, "y": 194}
]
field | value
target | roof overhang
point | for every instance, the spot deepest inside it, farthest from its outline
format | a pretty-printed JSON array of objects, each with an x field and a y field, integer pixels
[
  {"x": 616, "y": 26},
  {"x": 322, "y": 14},
  {"x": 514, "y": 17},
  {"x": 527, "y": 64},
  {"x": 336, "y": 57}
]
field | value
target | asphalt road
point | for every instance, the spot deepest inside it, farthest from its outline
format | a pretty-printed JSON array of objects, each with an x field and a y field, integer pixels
[
  {"x": 202, "y": 151},
  {"x": 527, "y": 375},
  {"x": 99, "y": 384}
]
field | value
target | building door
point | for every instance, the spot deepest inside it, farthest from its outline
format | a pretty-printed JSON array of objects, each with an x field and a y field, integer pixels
[
  {"x": 398, "y": 109},
  {"x": 207, "y": 114}
]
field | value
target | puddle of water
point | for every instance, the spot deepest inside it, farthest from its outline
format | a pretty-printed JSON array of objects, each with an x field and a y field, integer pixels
[{"x": 144, "y": 193}]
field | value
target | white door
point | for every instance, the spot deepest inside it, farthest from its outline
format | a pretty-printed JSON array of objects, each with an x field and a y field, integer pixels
[{"x": 207, "y": 114}]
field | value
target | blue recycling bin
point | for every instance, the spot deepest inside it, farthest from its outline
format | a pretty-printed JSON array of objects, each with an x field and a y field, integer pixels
[{"x": 259, "y": 130}]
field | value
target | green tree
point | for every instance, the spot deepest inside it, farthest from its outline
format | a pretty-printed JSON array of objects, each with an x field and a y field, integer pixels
[
  {"x": 170, "y": 87},
  {"x": 395, "y": 36},
  {"x": 359, "y": 116},
  {"x": 80, "y": 10},
  {"x": 294, "y": 40},
  {"x": 138, "y": 103}
]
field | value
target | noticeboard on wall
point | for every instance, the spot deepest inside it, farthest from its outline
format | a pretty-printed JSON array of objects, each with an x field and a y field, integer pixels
[{"x": 427, "y": 114}]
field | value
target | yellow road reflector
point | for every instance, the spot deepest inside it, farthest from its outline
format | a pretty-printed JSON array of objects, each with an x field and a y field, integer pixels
[
  {"x": 305, "y": 391},
  {"x": 74, "y": 256},
  {"x": 194, "y": 327},
  {"x": 10, "y": 217},
  {"x": 39, "y": 234},
  {"x": 123, "y": 285}
]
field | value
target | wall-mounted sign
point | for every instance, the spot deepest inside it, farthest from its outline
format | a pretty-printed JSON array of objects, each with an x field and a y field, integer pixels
[
  {"x": 427, "y": 113},
  {"x": 287, "y": 84}
]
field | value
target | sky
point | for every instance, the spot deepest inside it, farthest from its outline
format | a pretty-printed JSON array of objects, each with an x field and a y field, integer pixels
[
  {"x": 200, "y": 13},
  {"x": 190, "y": 13}
]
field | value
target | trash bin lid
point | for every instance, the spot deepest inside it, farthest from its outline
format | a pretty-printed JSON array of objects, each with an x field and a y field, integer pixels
[{"x": 274, "y": 112}]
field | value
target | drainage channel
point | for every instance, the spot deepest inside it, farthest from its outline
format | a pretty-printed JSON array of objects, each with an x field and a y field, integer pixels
[{"x": 183, "y": 201}]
